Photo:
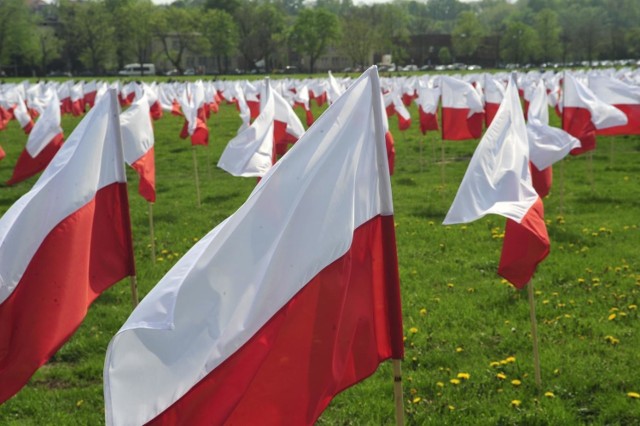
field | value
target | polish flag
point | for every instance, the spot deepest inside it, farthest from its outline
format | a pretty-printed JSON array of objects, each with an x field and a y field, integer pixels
[
  {"x": 498, "y": 181},
  {"x": 547, "y": 144},
  {"x": 77, "y": 99},
  {"x": 493, "y": 95},
  {"x": 155, "y": 106},
  {"x": 22, "y": 116},
  {"x": 62, "y": 244},
  {"x": 462, "y": 110},
  {"x": 289, "y": 301},
  {"x": 195, "y": 125},
  {"x": 138, "y": 142},
  {"x": 90, "y": 89},
  {"x": 301, "y": 99},
  {"x": 583, "y": 113},
  {"x": 624, "y": 96},
  {"x": 43, "y": 143},
  {"x": 287, "y": 126},
  {"x": 428, "y": 100},
  {"x": 394, "y": 106}
]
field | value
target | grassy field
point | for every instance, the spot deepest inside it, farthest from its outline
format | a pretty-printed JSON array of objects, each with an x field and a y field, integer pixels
[{"x": 468, "y": 341}]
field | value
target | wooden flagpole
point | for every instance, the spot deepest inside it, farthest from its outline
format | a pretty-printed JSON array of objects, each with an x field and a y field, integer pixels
[
  {"x": 195, "y": 169},
  {"x": 562, "y": 187},
  {"x": 421, "y": 146},
  {"x": 134, "y": 291},
  {"x": 153, "y": 239},
  {"x": 397, "y": 391},
  {"x": 534, "y": 334}
]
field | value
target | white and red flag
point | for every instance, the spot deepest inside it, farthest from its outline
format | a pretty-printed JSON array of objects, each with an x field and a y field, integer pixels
[
  {"x": 624, "y": 96},
  {"x": 43, "y": 143},
  {"x": 394, "y": 106},
  {"x": 428, "y": 100},
  {"x": 462, "y": 110},
  {"x": 22, "y": 116},
  {"x": 286, "y": 303},
  {"x": 53, "y": 265},
  {"x": 583, "y": 113},
  {"x": 498, "y": 181},
  {"x": 493, "y": 95},
  {"x": 138, "y": 143}
]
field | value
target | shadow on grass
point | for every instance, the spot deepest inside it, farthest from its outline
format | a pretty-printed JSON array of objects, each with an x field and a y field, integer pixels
[{"x": 429, "y": 212}]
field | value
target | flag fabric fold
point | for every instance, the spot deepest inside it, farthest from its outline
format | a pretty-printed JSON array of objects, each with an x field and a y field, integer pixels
[
  {"x": 53, "y": 265},
  {"x": 462, "y": 110},
  {"x": 624, "y": 96},
  {"x": 498, "y": 181},
  {"x": 287, "y": 302},
  {"x": 138, "y": 143}
]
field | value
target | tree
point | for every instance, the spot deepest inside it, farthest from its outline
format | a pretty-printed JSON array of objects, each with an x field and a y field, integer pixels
[
  {"x": 391, "y": 27},
  {"x": 261, "y": 29},
  {"x": 444, "y": 55},
  {"x": 123, "y": 23},
  {"x": 467, "y": 34},
  {"x": 176, "y": 28},
  {"x": 519, "y": 43},
  {"x": 140, "y": 15},
  {"x": 228, "y": 6},
  {"x": 16, "y": 28},
  {"x": 587, "y": 31},
  {"x": 221, "y": 32},
  {"x": 358, "y": 36},
  {"x": 49, "y": 46},
  {"x": 548, "y": 29},
  {"x": 313, "y": 31}
]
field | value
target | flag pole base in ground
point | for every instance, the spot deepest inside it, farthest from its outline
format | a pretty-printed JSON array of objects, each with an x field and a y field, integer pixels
[
  {"x": 153, "y": 239},
  {"x": 534, "y": 334},
  {"x": 195, "y": 170},
  {"x": 134, "y": 291},
  {"x": 397, "y": 391}
]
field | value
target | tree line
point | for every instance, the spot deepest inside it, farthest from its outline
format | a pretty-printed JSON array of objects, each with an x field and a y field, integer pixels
[{"x": 98, "y": 36}]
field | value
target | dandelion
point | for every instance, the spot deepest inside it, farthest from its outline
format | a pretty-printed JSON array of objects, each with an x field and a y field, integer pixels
[
  {"x": 633, "y": 307},
  {"x": 516, "y": 382},
  {"x": 516, "y": 403},
  {"x": 413, "y": 330},
  {"x": 501, "y": 376},
  {"x": 440, "y": 384},
  {"x": 454, "y": 381},
  {"x": 511, "y": 359},
  {"x": 451, "y": 408},
  {"x": 450, "y": 285},
  {"x": 549, "y": 394},
  {"x": 459, "y": 349},
  {"x": 79, "y": 403},
  {"x": 416, "y": 400},
  {"x": 423, "y": 312},
  {"x": 611, "y": 317},
  {"x": 464, "y": 376},
  {"x": 494, "y": 364},
  {"x": 633, "y": 395}
]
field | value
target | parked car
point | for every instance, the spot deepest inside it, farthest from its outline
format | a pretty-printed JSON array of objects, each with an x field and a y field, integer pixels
[{"x": 410, "y": 67}]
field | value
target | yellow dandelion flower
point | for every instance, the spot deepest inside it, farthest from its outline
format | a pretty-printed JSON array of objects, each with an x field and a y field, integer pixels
[
  {"x": 516, "y": 382},
  {"x": 464, "y": 376},
  {"x": 454, "y": 381},
  {"x": 416, "y": 400},
  {"x": 516, "y": 403},
  {"x": 423, "y": 312},
  {"x": 164, "y": 251},
  {"x": 549, "y": 394},
  {"x": 413, "y": 330},
  {"x": 459, "y": 349},
  {"x": 612, "y": 317},
  {"x": 633, "y": 395},
  {"x": 633, "y": 307},
  {"x": 501, "y": 376},
  {"x": 580, "y": 280},
  {"x": 440, "y": 384},
  {"x": 494, "y": 364},
  {"x": 431, "y": 223},
  {"x": 451, "y": 408},
  {"x": 79, "y": 402},
  {"x": 450, "y": 285},
  {"x": 556, "y": 372},
  {"x": 511, "y": 359}
]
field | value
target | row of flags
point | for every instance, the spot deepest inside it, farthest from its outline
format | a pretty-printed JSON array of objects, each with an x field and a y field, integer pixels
[{"x": 301, "y": 281}]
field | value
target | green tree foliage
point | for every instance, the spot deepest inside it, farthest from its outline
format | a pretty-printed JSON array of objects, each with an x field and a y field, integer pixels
[
  {"x": 444, "y": 55},
  {"x": 261, "y": 27},
  {"x": 177, "y": 30},
  {"x": 467, "y": 34},
  {"x": 519, "y": 43},
  {"x": 140, "y": 36},
  {"x": 391, "y": 25},
  {"x": 221, "y": 33},
  {"x": 548, "y": 28},
  {"x": 16, "y": 29},
  {"x": 358, "y": 36},
  {"x": 312, "y": 33}
]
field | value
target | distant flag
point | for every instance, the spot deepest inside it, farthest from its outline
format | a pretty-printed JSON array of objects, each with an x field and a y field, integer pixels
[
  {"x": 583, "y": 113},
  {"x": 43, "y": 143},
  {"x": 498, "y": 181},
  {"x": 138, "y": 143},
  {"x": 428, "y": 100},
  {"x": 493, "y": 94},
  {"x": 286, "y": 303},
  {"x": 462, "y": 110},
  {"x": 62, "y": 244},
  {"x": 624, "y": 96},
  {"x": 21, "y": 114},
  {"x": 394, "y": 106}
]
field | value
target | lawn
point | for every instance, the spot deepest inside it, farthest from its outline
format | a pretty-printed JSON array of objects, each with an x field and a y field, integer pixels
[{"x": 468, "y": 334}]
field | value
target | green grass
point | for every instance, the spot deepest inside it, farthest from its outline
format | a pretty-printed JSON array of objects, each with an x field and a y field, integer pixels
[{"x": 459, "y": 316}]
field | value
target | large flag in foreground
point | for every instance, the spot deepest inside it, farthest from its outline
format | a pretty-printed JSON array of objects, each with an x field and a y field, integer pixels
[
  {"x": 498, "y": 181},
  {"x": 61, "y": 245},
  {"x": 283, "y": 305}
]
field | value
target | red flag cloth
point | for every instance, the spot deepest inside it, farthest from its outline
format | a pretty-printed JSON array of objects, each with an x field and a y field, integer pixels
[
  {"x": 53, "y": 266},
  {"x": 315, "y": 312},
  {"x": 28, "y": 166},
  {"x": 625, "y": 97},
  {"x": 525, "y": 245},
  {"x": 462, "y": 110},
  {"x": 541, "y": 180}
]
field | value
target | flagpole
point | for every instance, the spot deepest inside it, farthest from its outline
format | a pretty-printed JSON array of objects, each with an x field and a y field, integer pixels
[
  {"x": 208, "y": 161},
  {"x": 397, "y": 391},
  {"x": 134, "y": 291},
  {"x": 421, "y": 146},
  {"x": 562, "y": 187},
  {"x": 534, "y": 334},
  {"x": 590, "y": 167},
  {"x": 195, "y": 169},
  {"x": 153, "y": 239}
]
